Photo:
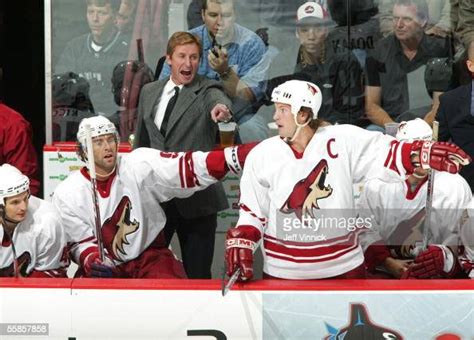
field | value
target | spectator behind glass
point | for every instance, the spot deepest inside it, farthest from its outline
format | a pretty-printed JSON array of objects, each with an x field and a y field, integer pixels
[
  {"x": 94, "y": 55},
  {"x": 193, "y": 14},
  {"x": 230, "y": 54},
  {"x": 16, "y": 147},
  {"x": 357, "y": 28},
  {"x": 338, "y": 75},
  {"x": 126, "y": 16},
  {"x": 128, "y": 78},
  {"x": 395, "y": 69},
  {"x": 438, "y": 20},
  {"x": 462, "y": 16},
  {"x": 456, "y": 117},
  {"x": 71, "y": 103},
  {"x": 188, "y": 124}
]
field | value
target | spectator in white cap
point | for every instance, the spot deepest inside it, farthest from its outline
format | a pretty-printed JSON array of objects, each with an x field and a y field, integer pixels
[{"x": 338, "y": 75}]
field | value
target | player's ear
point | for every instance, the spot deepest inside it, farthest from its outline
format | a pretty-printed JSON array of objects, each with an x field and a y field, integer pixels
[{"x": 303, "y": 116}]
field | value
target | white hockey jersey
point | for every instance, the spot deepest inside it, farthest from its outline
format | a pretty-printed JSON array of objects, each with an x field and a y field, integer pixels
[
  {"x": 130, "y": 211},
  {"x": 281, "y": 192},
  {"x": 39, "y": 243},
  {"x": 399, "y": 210}
]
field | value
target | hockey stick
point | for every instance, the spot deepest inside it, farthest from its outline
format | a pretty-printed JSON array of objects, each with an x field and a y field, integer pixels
[
  {"x": 95, "y": 199},
  {"x": 226, "y": 287},
  {"x": 140, "y": 54},
  {"x": 429, "y": 195}
]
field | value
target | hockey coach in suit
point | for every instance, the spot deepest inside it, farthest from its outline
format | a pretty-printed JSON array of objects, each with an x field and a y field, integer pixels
[{"x": 180, "y": 113}]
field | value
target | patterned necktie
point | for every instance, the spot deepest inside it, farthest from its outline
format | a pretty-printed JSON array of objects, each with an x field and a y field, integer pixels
[{"x": 168, "y": 110}]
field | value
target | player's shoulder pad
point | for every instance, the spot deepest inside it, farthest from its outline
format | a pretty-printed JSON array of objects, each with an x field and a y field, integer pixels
[
  {"x": 45, "y": 218},
  {"x": 341, "y": 130},
  {"x": 452, "y": 185},
  {"x": 71, "y": 184},
  {"x": 140, "y": 155}
]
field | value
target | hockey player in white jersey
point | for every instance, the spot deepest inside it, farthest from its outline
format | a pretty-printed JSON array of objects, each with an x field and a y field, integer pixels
[
  {"x": 306, "y": 171},
  {"x": 398, "y": 205},
  {"x": 33, "y": 242},
  {"x": 131, "y": 189}
]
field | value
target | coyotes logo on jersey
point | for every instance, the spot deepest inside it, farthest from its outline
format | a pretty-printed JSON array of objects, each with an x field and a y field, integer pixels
[
  {"x": 117, "y": 227},
  {"x": 406, "y": 240},
  {"x": 308, "y": 191}
]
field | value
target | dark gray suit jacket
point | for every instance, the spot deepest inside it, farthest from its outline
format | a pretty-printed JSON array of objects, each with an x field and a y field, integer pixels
[
  {"x": 189, "y": 128},
  {"x": 457, "y": 124}
]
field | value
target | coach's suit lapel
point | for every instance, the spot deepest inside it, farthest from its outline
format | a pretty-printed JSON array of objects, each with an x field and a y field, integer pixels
[{"x": 186, "y": 97}]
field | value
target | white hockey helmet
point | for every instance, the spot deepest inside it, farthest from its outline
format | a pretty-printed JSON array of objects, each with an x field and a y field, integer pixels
[
  {"x": 414, "y": 129},
  {"x": 12, "y": 182},
  {"x": 298, "y": 93},
  {"x": 99, "y": 126}
]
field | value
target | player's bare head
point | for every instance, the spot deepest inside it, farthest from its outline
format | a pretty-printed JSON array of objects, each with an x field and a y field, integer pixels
[
  {"x": 183, "y": 38},
  {"x": 98, "y": 126}
]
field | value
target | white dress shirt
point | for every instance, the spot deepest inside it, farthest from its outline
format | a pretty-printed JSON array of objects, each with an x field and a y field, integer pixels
[{"x": 168, "y": 92}]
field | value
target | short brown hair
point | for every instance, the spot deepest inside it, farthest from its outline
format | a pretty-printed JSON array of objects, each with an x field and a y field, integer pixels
[
  {"x": 182, "y": 38},
  {"x": 314, "y": 123},
  {"x": 204, "y": 3},
  {"x": 114, "y": 4}
]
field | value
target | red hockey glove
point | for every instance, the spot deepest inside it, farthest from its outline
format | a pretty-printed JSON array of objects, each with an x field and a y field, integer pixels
[
  {"x": 467, "y": 266},
  {"x": 235, "y": 156},
  {"x": 441, "y": 156},
  {"x": 93, "y": 267},
  {"x": 437, "y": 261},
  {"x": 240, "y": 245}
]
